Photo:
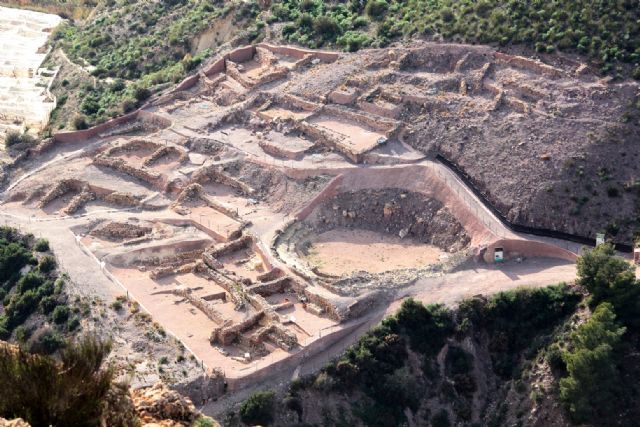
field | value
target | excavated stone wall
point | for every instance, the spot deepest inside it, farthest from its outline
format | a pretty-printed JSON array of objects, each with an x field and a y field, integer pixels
[
  {"x": 120, "y": 165},
  {"x": 213, "y": 173}
]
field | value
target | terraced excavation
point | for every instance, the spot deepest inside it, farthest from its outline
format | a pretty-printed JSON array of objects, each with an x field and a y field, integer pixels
[{"x": 269, "y": 207}]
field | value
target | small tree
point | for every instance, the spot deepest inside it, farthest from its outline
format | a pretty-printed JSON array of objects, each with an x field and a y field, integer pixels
[
  {"x": 258, "y": 408},
  {"x": 12, "y": 138},
  {"x": 60, "y": 314},
  {"x": 610, "y": 278},
  {"x": 588, "y": 391}
]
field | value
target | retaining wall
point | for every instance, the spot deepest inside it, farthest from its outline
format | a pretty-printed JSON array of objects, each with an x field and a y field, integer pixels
[
  {"x": 623, "y": 247},
  {"x": 527, "y": 249},
  {"x": 331, "y": 190},
  {"x": 528, "y": 64}
]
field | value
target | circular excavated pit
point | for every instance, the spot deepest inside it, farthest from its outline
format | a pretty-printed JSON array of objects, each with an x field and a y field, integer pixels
[{"x": 375, "y": 231}]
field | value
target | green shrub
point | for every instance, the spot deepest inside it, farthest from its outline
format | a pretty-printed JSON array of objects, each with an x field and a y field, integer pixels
[
  {"x": 611, "y": 278},
  {"x": 203, "y": 421},
  {"x": 142, "y": 93},
  {"x": 326, "y": 27},
  {"x": 47, "y": 304},
  {"x": 22, "y": 334},
  {"x": 12, "y": 138},
  {"x": 376, "y": 8},
  {"x": 46, "y": 341},
  {"x": 60, "y": 314},
  {"x": 258, "y": 409},
  {"x": 73, "y": 323},
  {"x": 45, "y": 392},
  {"x": 117, "y": 305},
  {"x": 47, "y": 264},
  {"x": 41, "y": 245}
]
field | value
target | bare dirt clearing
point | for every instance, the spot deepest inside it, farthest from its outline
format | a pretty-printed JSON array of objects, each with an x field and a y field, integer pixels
[{"x": 342, "y": 251}]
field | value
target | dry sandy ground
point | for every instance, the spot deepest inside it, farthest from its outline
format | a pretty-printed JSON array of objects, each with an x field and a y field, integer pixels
[{"x": 342, "y": 251}]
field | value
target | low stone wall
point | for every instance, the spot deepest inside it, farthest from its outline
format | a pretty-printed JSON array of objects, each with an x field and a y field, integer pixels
[
  {"x": 344, "y": 97},
  {"x": 209, "y": 385},
  {"x": 78, "y": 201},
  {"x": 527, "y": 249},
  {"x": 165, "y": 151},
  {"x": 296, "y": 52},
  {"x": 373, "y": 108},
  {"x": 528, "y": 64},
  {"x": 187, "y": 83},
  {"x": 159, "y": 254},
  {"x": 120, "y": 165},
  {"x": 59, "y": 189},
  {"x": 516, "y": 104},
  {"x": 83, "y": 135},
  {"x": 230, "y": 247},
  {"x": 227, "y": 335},
  {"x": 276, "y": 286},
  {"x": 235, "y": 289},
  {"x": 201, "y": 304},
  {"x": 298, "y": 102},
  {"x": 213, "y": 173},
  {"x": 375, "y": 123}
]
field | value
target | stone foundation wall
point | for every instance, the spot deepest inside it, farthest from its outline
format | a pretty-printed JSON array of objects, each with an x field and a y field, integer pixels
[
  {"x": 228, "y": 334},
  {"x": 120, "y": 165},
  {"x": 212, "y": 173},
  {"x": 528, "y": 64}
]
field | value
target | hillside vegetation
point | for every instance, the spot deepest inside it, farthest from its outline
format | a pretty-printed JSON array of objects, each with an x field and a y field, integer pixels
[
  {"x": 607, "y": 31},
  {"x": 134, "y": 48},
  {"x": 31, "y": 294},
  {"x": 130, "y": 49},
  {"x": 553, "y": 356}
]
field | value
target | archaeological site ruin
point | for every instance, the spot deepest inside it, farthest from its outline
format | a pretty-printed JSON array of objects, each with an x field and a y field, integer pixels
[{"x": 266, "y": 206}]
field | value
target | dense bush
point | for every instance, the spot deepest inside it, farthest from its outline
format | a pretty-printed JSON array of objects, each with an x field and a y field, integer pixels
[
  {"x": 514, "y": 318},
  {"x": 606, "y": 31},
  {"x": 60, "y": 314},
  {"x": 258, "y": 409},
  {"x": 12, "y": 138},
  {"x": 611, "y": 278},
  {"x": 46, "y": 392},
  {"x": 25, "y": 293},
  {"x": 41, "y": 245}
]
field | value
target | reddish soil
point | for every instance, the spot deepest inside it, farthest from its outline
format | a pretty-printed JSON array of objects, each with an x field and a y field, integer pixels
[{"x": 343, "y": 251}]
